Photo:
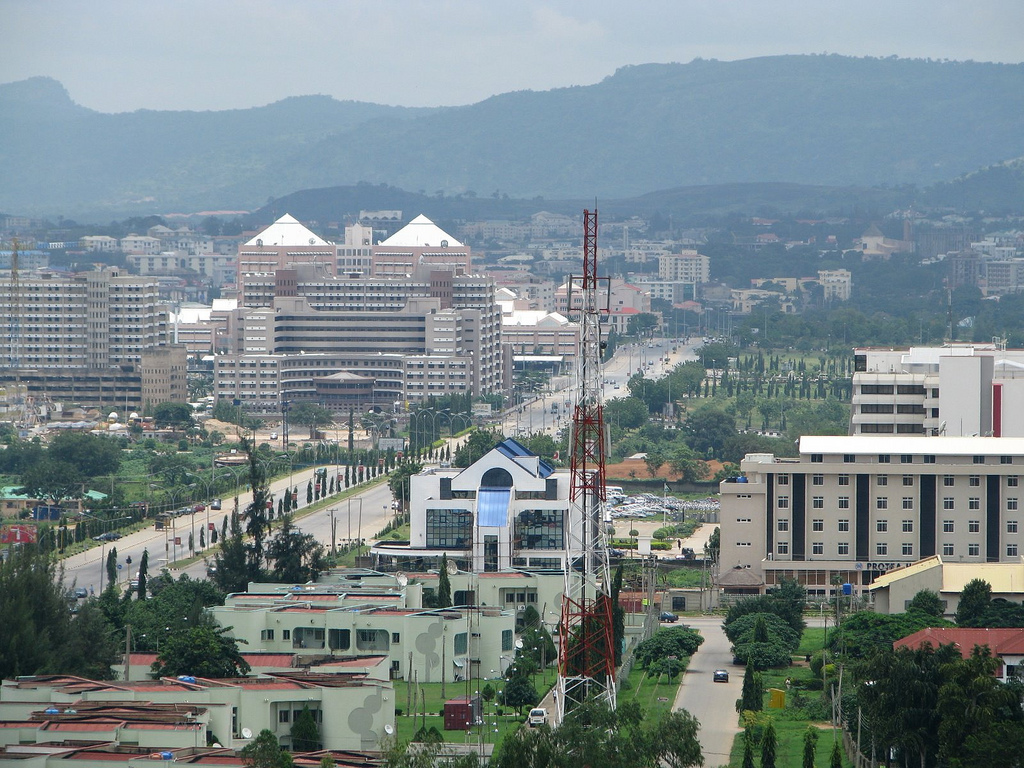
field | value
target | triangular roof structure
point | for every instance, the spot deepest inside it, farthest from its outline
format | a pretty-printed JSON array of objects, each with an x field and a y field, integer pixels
[
  {"x": 421, "y": 232},
  {"x": 287, "y": 231}
]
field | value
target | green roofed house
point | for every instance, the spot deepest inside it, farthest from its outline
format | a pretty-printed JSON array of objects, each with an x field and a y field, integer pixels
[{"x": 13, "y": 504}]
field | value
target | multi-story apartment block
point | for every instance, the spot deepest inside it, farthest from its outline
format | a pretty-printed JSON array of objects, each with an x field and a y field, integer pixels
[
  {"x": 850, "y": 508},
  {"x": 686, "y": 267},
  {"x": 625, "y": 301},
  {"x": 962, "y": 389},
  {"x": 89, "y": 337}
]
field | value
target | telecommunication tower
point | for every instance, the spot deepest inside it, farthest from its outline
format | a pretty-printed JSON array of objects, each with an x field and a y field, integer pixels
[{"x": 586, "y": 664}]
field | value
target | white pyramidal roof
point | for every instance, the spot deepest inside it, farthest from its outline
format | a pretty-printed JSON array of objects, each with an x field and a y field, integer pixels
[
  {"x": 421, "y": 232},
  {"x": 287, "y": 231}
]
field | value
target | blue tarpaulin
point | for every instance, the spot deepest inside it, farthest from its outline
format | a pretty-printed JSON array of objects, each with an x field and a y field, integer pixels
[{"x": 492, "y": 506}]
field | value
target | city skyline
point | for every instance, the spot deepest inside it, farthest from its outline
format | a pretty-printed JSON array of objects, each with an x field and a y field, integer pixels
[{"x": 116, "y": 56}]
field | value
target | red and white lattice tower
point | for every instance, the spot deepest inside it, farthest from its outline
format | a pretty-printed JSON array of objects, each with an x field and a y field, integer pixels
[{"x": 586, "y": 664}]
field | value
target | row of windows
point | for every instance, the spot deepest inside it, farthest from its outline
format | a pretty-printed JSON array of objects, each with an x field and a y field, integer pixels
[
  {"x": 882, "y": 526},
  {"x": 906, "y": 549},
  {"x": 882, "y": 502},
  {"x": 905, "y": 458}
]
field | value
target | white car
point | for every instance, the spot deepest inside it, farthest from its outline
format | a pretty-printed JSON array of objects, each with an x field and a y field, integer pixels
[{"x": 537, "y": 716}]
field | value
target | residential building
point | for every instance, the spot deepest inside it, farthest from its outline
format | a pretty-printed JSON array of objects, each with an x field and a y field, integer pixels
[
  {"x": 619, "y": 305},
  {"x": 852, "y": 508},
  {"x": 685, "y": 267},
  {"x": 957, "y": 389},
  {"x": 1005, "y": 644}
]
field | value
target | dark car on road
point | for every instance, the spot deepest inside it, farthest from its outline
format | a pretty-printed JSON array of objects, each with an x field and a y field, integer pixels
[
  {"x": 721, "y": 676},
  {"x": 669, "y": 617}
]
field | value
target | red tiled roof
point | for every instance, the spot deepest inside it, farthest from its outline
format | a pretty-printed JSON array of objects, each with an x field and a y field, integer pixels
[{"x": 999, "y": 640}]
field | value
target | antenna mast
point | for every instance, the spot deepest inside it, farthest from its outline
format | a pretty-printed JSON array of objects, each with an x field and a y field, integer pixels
[{"x": 586, "y": 664}]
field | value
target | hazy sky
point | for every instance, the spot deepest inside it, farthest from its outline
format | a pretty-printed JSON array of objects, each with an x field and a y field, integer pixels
[{"x": 122, "y": 55}]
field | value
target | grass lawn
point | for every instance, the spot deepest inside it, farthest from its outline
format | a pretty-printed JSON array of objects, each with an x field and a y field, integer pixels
[
  {"x": 653, "y": 694},
  {"x": 791, "y": 723}
]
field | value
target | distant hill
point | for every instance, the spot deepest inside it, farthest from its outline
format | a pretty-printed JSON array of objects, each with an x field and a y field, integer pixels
[
  {"x": 808, "y": 120},
  {"x": 997, "y": 189}
]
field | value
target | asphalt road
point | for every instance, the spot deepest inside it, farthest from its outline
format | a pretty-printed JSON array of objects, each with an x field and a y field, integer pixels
[
  {"x": 713, "y": 704},
  {"x": 87, "y": 569}
]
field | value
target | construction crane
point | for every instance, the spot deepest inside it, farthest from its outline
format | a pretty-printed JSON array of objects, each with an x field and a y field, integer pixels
[{"x": 586, "y": 664}]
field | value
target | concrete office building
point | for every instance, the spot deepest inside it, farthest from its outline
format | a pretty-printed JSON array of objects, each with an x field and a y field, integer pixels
[
  {"x": 859, "y": 506},
  {"x": 961, "y": 389},
  {"x": 285, "y": 242},
  {"x": 420, "y": 243}
]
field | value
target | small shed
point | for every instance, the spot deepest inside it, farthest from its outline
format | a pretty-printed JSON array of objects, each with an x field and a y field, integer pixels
[{"x": 461, "y": 713}]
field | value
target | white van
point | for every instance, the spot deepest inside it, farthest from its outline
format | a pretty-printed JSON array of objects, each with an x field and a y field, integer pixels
[{"x": 537, "y": 716}]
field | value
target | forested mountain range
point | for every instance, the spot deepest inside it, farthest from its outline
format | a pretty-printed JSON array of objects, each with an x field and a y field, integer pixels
[{"x": 823, "y": 120}]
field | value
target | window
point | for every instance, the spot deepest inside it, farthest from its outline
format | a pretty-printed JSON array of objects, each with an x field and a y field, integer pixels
[
  {"x": 947, "y": 526},
  {"x": 817, "y": 479},
  {"x": 816, "y": 458},
  {"x": 461, "y": 644},
  {"x": 881, "y": 502},
  {"x": 783, "y": 502},
  {"x": 883, "y": 458},
  {"x": 881, "y": 526},
  {"x": 908, "y": 526},
  {"x": 507, "y": 640},
  {"x": 908, "y": 549},
  {"x": 947, "y": 550},
  {"x": 974, "y": 503},
  {"x": 449, "y": 528},
  {"x": 876, "y": 389},
  {"x": 1011, "y": 526},
  {"x": 929, "y": 459},
  {"x": 783, "y": 548},
  {"x": 286, "y": 634},
  {"x": 267, "y": 634},
  {"x": 974, "y": 481},
  {"x": 372, "y": 639},
  {"x": 844, "y": 502},
  {"x": 1011, "y": 481},
  {"x": 947, "y": 480},
  {"x": 973, "y": 550},
  {"x": 817, "y": 525},
  {"x": 396, "y": 637},
  {"x": 908, "y": 480},
  {"x": 849, "y": 458},
  {"x": 843, "y": 548},
  {"x": 284, "y": 716},
  {"x": 947, "y": 502},
  {"x": 908, "y": 502},
  {"x": 906, "y": 458},
  {"x": 881, "y": 548},
  {"x": 783, "y": 479},
  {"x": 339, "y": 639},
  {"x": 844, "y": 526},
  {"x": 1011, "y": 550},
  {"x": 979, "y": 459},
  {"x": 1006, "y": 459},
  {"x": 844, "y": 479},
  {"x": 817, "y": 548},
  {"x": 1011, "y": 503},
  {"x": 974, "y": 526},
  {"x": 783, "y": 524},
  {"x": 539, "y": 529},
  {"x": 882, "y": 480},
  {"x": 818, "y": 502}
]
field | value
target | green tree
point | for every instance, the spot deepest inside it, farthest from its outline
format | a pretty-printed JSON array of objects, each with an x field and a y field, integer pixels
[
  {"x": 202, "y": 652},
  {"x": 975, "y": 599},
  {"x": 52, "y": 481},
  {"x": 707, "y": 430},
  {"x": 654, "y": 460},
  {"x": 688, "y": 465},
  {"x": 295, "y": 557},
  {"x": 305, "y": 734},
  {"x": 399, "y": 482},
  {"x": 444, "y": 584},
  {"x": 264, "y": 752},
  {"x": 143, "y": 574},
  {"x": 769, "y": 744},
  {"x": 714, "y": 546},
  {"x": 519, "y": 692},
  {"x": 111, "y": 566},
  {"x": 835, "y": 759},
  {"x": 671, "y": 641},
  {"x": 748, "y": 750},
  {"x": 91, "y": 455},
  {"x": 810, "y": 746},
  {"x": 477, "y": 444},
  {"x": 752, "y": 695},
  {"x": 177, "y": 415},
  {"x": 926, "y": 601}
]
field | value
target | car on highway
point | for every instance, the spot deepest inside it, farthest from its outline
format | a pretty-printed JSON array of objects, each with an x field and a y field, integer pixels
[
  {"x": 108, "y": 536},
  {"x": 81, "y": 592},
  {"x": 669, "y": 617},
  {"x": 215, "y": 504},
  {"x": 721, "y": 676}
]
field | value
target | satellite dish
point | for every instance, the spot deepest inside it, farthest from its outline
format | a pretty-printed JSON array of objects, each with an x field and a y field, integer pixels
[
  {"x": 452, "y": 568},
  {"x": 389, "y": 729},
  {"x": 246, "y": 733},
  {"x": 519, "y": 643},
  {"x": 402, "y": 579},
  {"x": 312, "y": 241}
]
